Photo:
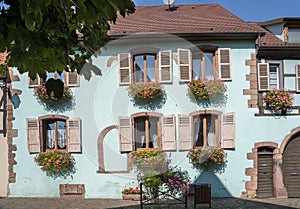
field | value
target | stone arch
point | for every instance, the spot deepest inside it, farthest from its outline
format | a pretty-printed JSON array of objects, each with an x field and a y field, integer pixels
[
  {"x": 101, "y": 150},
  {"x": 288, "y": 138}
]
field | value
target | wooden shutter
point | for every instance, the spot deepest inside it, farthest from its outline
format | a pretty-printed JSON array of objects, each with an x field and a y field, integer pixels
[
  {"x": 185, "y": 138},
  {"x": 165, "y": 66},
  {"x": 74, "y": 135},
  {"x": 224, "y": 64},
  {"x": 126, "y": 144},
  {"x": 298, "y": 78},
  {"x": 124, "y": 61},
  {"x": 33, "y": 135},
  {"x": 228, "y": 130},
  {"x": 263, "y": 76},
  {"x": 168, "y": 133},
  {"x": 184, "y": 64},
  {"x": 34, "y": 83},
  {"x": 72, "y": 78}
]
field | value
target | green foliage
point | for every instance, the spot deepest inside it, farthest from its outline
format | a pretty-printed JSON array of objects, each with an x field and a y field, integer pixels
[
  {"x": 56, "y": 163},
  {"x": 41, "y": 34}
]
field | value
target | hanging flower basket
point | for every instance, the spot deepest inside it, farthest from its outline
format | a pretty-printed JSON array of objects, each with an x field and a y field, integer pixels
[
  {"x": 206, "y": 89},
  {"x": 279, "y": 100},
  {"x": 147, "y": 93},
  {"x": 210, "y": 158},
  {"x": 56, "y": 163},
  {"x": 50, "y": 100}
]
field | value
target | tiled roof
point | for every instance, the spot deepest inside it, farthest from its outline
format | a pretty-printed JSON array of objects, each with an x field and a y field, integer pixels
[
  {"x": 185, "y": 19},
  {"x": 271, "y": 40}
]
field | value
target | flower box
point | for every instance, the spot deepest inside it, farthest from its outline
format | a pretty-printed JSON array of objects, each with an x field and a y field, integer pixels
[
  {"x": 206, "y": 89},
  {"x": 134, "y": 197},
  {"x": 146, "y": 92},
  {"x": 279, "y": 100}
]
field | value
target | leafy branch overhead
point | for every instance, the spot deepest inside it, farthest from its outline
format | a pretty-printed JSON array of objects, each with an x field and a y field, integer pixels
[{"x": 49, "y": 35}]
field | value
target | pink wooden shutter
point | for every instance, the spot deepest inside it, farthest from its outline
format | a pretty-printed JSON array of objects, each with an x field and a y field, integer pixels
[
  {"x": 224, "y": 64},
  {"x": 298, "y": 78},
  {"x": 263, "y": 76},
  {"x": 185, "y": 139},
  {"x": 34, "y": 83},
  {"x": 168, "y": 133},
  {"x": 185, "y": 65},
  {"x": 74, "y": 135},
  {"x": 33, "y": 135},
  {"x": 125, "y": 133},
  {"x": 165, "y": 66},
  {"x": 72, "y": 78},
  {"x": 228, "y": 130},
  {"x": 124, "y": 60}
]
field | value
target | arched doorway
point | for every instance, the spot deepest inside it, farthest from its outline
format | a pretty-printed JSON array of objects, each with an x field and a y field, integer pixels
[{"x": 291, "y": 166}]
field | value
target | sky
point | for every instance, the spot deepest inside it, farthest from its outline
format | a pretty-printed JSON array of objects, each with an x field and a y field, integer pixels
[{"x": 247, "y": 10}]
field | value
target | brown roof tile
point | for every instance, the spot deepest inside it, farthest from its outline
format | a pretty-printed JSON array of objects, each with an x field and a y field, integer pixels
[{"x": 197, "y": 18}]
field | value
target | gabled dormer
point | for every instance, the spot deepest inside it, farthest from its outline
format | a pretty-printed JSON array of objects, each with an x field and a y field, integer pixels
[{"x": 285, "y": 28}]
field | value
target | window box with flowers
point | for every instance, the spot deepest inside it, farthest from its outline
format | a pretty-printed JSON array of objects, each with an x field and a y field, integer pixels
[
  {"x": 208, "y": 158},
  {"x": 49, "y": 100},
  {"x": 132, "y": 194},
  {"x": 146, "y": 93},
  {"x": 206, "y": 90},
  {"x": 278, "y": 101},
  {"x": 56, "y": 163}
]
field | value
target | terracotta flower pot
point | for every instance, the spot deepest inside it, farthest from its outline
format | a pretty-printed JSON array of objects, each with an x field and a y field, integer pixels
[{"x": 134, "y": 197}]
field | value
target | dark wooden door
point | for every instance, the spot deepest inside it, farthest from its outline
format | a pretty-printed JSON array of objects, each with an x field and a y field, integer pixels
[
  {"x": 265, "y": 186},
  {"x": 291, "y": 167}
]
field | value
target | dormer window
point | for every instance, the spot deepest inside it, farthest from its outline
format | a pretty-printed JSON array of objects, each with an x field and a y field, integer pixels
[{"x": 294, "y": 35}]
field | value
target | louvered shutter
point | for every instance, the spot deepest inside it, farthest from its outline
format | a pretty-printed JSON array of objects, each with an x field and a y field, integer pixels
[
  {"x": 33, "y": 135},
  {"x": 224, "y": 64},
  {"x": 184, "y": 64},
  {"x": 34, "y": 83},
  {"x": 263, "y": 76},
  {"x": 74, "y": 135},
  {"x": 228, "y": 130},
  {"x": 124, "y": 61},
  {"x": 185, "y": 139},
  {"x": 168, "y": 133},
  {"x": 165, "y": 66},
  {"x": 72, "y": 78},
  {"x": 126, "y": 144},
  {"x": 298, "y": 78}
]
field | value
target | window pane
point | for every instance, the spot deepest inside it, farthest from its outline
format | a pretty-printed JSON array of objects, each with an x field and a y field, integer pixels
[
  {"x": 50, "y": 135},
  {"x": 211, "y": 130},
  {"x": 140, "y": 137},
  {"x": 61, "y": 134},
  {"x": 197, "y": 69},
  {"x": 139, "y": 68},
  {"x": 208, "y": 65},
  {"x": 150, "y": 65},
  {"x": 294, "y": 35},
  {"x": 274, "y": 76},
  {"x": 198, "y": 131},
  {"x": 153, "y": 135}
]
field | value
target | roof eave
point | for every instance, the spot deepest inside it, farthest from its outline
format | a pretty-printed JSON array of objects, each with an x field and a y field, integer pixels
[
  {"x": 208, "y": 36},
  {"x": 278, "y": 52}
]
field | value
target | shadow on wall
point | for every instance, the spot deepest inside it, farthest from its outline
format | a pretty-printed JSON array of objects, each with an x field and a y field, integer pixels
[{"x": 217, "y": 187}]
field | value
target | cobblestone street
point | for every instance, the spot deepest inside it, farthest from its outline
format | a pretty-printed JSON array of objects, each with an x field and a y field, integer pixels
[{"x": 220, "y": 203}]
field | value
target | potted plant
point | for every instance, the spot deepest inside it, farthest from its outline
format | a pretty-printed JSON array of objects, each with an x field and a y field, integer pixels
[
  {"x": 206, "y": 89},
  {"x": 131, "y": 193},
  {"x": 211, "y": 158},
  {"x": 145, "y": 92},
  {"x": 279, "y": 100},
  {"x": 56, "y": 163},
  {"x": 50, "y": 100}
]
